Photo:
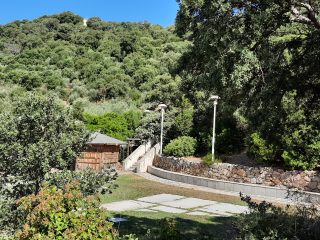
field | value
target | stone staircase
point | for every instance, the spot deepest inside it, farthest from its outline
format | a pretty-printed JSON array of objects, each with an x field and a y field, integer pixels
[
  {"x": 133, "y": 168},
  {"x": 139, "y": 160},
  {"x": 130, "y": 163}
]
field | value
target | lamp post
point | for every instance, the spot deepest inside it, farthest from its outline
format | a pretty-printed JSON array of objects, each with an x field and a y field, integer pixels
[
  {"x": 215, "y": 102},
  {"x": 162, "y": 107}
]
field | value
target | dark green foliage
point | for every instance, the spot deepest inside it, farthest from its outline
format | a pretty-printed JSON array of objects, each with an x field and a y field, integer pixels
[
  {"x": 260, "y": 150},
  {"x": 37, "y": 135},
  {"x": 90, "y": 182},
  {"x": 169, "y": 230},
  {"x": 262, "y": 60},
  {"x": 266, "y": 221},
  {"x": 184, "y": 120},
  {"x": 149, "y": 127},
  {"x": 133, "y": 119},
  {"x": 110, "y": 60},
  {"x": 181, "y": 147}
]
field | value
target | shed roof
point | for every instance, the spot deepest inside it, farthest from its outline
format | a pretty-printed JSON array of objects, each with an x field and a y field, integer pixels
[{"x": 98, "y": 138}]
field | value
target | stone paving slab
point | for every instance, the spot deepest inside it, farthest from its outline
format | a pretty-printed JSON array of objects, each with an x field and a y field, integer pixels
[
  {"x": 168, "y": 209},
  {"x": 160, "y": 198},
  {"x": 224, "y": 208},
  {"x": 146, "y": 210},
  {"x": 199, "y": 213},
  {"x": 188, "y": 203},
  {"x": 126, "y": 205}
]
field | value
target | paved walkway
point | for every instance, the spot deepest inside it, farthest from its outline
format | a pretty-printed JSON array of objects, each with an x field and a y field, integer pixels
[
  {"x": 151, "y": 177},
  {"x": 176, "y": 204}
]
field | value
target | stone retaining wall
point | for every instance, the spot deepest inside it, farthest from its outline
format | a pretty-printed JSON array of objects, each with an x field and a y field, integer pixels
[{"x": 302, "y": 180}]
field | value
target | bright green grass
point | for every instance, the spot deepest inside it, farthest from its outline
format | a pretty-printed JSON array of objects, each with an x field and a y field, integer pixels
[
  {"x": 191, "y": 227},
  {"x": 132, "y": 186}
]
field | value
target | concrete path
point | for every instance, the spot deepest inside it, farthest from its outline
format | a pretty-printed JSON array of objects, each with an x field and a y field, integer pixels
[
  {"x": 176, "y": 204},
  {"x": 151, "y": 177}
]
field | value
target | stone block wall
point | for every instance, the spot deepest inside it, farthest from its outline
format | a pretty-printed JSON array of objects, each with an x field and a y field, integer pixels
[{"x": 302, "y": 180}]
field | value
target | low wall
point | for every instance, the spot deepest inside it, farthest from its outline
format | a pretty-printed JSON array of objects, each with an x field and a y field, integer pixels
[
  {"x": 245, "y": 188},
  {"x": 148, "y": 158},
  {"x": 268, "y": 176},
  {"x": 135, "y": 155}
]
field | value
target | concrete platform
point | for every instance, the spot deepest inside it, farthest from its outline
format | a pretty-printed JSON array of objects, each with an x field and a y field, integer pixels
[
  {"x": 176, "y": 205},
  {"x": 224, "y": 208},
  {"x": 126, "y": 205},
  {"x": 187, "y": 203},
  {"x": 168, "y": 209},
  {"x": 160, "y": 198}
]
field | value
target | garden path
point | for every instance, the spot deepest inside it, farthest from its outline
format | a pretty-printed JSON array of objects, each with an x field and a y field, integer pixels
[{"x": 171, "y": 203}]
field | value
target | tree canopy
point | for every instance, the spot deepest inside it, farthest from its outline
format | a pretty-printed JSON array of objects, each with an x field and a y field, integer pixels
[
  {"x": 37, "y": 135},
  {"x": 262, "y": 58}
]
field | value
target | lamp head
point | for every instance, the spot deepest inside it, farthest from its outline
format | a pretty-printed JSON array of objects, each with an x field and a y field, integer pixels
[
  {"x": 214, "y": 97},
  {"x": 162, "y": 106}
]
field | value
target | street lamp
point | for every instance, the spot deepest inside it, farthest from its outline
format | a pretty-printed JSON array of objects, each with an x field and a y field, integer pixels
[
  {"x": 162, "y": 107},
  {"x": 215, "y": 102}
]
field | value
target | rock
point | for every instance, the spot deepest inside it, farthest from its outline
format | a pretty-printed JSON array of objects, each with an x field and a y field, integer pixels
[
  {"x": 259, "y": 180},
  {"x": 298, "y": 177},
  {"x": 307, "y": 178},
  {"x": 276, "y": 181},
  {"x": 316, "y": 179},
  {"x": 313, "y": 185},
  {"x": 241, "y": 173}
]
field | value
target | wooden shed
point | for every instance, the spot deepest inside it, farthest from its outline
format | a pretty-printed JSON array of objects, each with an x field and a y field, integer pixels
[{"x": 102, "y": 150}]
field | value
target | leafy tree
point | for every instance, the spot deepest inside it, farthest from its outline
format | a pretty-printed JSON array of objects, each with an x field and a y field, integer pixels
[
  {"x": 103, "y": 64},
  {"x": 184, "y": 119},
  {"x": 69, "y": 17},
  {"x": 260, "y": 57},
  {"x": 112, "y": 124},
  {"x": 37, "y": 135}
]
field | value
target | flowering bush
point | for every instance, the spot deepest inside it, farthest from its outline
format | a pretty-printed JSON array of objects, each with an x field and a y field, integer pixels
[{"x": 64, "y": 214}]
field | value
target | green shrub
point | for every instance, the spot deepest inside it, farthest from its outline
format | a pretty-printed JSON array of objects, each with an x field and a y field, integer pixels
[
  {"x": 181, "y": 147},
  {"x": 64, "y": 214},
  {"x": 229, "y": 140},
  {"x": 91, "y": 182},
  {"x": 266, "y": 221},
  {"x": 169, "y": 230},
  {"x": 260, "y": 150},
  {"x": 112, "y": 124},
  {"x": 301, "y": 152},
  {"x": 207, "y": 159}
]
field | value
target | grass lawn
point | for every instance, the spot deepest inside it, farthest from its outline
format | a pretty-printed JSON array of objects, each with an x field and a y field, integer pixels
[{"x": 132, "y": 186}]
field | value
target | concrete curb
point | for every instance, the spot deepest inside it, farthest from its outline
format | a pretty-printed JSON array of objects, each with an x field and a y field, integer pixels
[{"x": 245, "y": 188}]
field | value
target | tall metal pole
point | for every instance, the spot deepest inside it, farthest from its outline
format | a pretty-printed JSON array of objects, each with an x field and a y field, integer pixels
[
  {"x": 161, "y": 133},
  {"x": 215, "y": 102}
]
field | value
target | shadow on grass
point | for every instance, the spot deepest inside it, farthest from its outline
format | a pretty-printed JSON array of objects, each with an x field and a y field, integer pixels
[{"x": 144, "y": 227}]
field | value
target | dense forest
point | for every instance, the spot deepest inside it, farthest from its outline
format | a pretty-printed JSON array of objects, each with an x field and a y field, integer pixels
[
  {"x": 112, "y": 71},
  {"x": 265, "y": 70},
  {"x": 62, "y": 77}
]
